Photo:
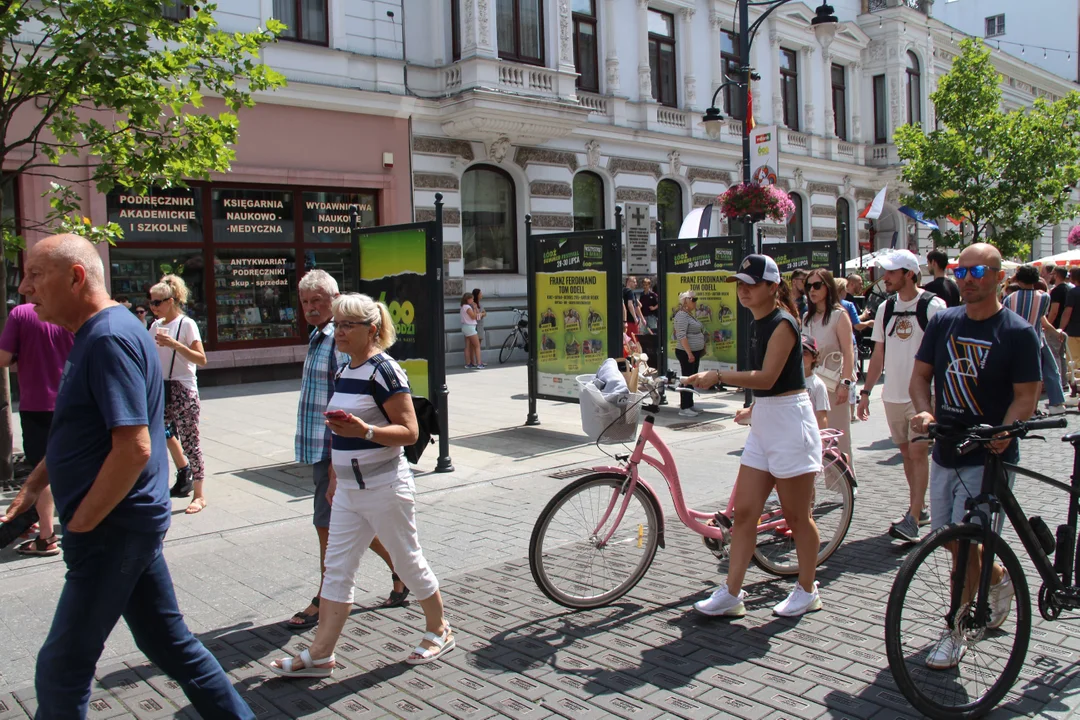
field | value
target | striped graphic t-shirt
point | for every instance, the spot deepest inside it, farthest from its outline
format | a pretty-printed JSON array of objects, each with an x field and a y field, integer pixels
[
  {"x": 361, "y": 391},
  {"x": 1030, "y": 305}
]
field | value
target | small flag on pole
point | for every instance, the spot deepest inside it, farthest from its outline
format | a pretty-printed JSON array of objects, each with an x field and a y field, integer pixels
[
  {"x": 873, "y": 210},
  {"x": 750, "y": 124}
]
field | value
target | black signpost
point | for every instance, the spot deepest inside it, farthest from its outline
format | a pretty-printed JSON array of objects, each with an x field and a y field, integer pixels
[{"x": 575, "y": 320}]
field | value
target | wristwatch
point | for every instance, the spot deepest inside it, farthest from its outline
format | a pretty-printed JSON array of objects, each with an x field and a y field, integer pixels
[
  {"x": 847, "y": 382},
  {"x": 370, "y": 434},
  {"x": 865, "y": 392}
]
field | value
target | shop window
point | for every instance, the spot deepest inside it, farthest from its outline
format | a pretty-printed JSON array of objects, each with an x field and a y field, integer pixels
[
  {"x": 174, "y": 10},
  {"x": 914, "y": 90},
  {"x": 795, "y": 224},
  {"x": 133, "y": 271},
  {"x": 305, "y": 20},
  {"x": 173, "y": 215},
  {"x": 585, "y": 51},
  {"x": 252, "y": 216},
  {"x": 520, "y": 26},
  {"x": 669, "y": 207},
  {"x": 734, "y": 97},
  {"x": 839, "y": 101},
  {"x": 881, "y": 107},
  {"x": 588, "y": 201},
  {"x": 255, "y": 294},
  {"x": 662, "y": 57},
  {"x": 488, "y": 220},
  {"x": 789, "y": 87},
  {"x": 339, "y": 263},
  {"x": 326, "y": 215}
]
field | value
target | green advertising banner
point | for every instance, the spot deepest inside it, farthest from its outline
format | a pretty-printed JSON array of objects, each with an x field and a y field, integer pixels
[
  {"x": 804, "y": 256},
  {"x": 393, "y": 270},
  {"x": 703, "y": 266}
]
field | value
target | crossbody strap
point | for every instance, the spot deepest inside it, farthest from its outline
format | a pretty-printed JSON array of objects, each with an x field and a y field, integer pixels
[{"x": 172, "y": 365}]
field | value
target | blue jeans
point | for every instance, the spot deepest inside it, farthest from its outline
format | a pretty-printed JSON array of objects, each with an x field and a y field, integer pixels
[
  {"x": 1051, "y": 376},
  {"x": 114, "y": 573}
]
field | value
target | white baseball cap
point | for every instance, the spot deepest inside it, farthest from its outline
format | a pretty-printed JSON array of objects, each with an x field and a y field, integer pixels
[{"x": 899, "y": 260}]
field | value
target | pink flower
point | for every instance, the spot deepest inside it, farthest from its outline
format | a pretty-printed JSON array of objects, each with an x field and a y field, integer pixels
[
  {"x": 767, "y": 201},
  {"x": 1074, "y": 236}
]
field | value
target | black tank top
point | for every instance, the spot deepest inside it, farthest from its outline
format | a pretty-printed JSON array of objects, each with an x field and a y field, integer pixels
[{"x": 791, "y": 377}]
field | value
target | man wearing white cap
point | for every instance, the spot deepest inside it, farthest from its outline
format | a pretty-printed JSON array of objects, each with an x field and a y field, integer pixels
[{"x": 898, "y": 332}]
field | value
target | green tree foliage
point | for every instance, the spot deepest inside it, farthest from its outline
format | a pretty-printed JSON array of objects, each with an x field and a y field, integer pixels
[{"x": 1008, "y": 175}]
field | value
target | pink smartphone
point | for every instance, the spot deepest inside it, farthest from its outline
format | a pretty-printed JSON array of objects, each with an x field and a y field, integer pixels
[{"x": 336, "y": 415}]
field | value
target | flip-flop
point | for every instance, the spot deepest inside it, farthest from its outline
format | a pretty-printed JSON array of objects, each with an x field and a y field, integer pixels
[
  {"x": 396, "y": 599},
  {"x": 427, "y": 655},
  {"x": 40, "y": 547},
  {"x": 308, "y": 621},
  {"x": 307, "y": 670}
]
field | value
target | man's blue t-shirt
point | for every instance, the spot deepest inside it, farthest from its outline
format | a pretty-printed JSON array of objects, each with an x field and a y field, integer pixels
[
  {"x": 976, "y": 363},
  {"x": 112, "y": 379}
]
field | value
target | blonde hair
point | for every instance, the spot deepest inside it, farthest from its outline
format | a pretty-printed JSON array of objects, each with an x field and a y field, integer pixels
[
  {"x": 357, "y": 306},
  {"x": 466, "y": 298},
  {"x": 841, "y": 287},
  {"x": 172, "y": 286}
]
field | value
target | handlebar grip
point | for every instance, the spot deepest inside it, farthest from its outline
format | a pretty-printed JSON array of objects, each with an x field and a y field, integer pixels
[{"x": 1046, "y": 423}]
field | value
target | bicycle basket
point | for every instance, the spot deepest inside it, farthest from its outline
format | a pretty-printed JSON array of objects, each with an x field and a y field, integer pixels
[{"x": 607, "y": 422}]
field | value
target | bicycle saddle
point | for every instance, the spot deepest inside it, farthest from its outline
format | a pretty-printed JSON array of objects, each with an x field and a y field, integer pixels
[{"x": 1073, "y": 438}]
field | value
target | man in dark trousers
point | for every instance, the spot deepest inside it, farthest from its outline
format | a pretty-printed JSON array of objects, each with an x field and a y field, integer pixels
[{"x": 107, "y": 467}]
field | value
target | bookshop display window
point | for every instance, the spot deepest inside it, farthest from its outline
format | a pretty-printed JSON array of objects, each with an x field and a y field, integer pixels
[{"x": 241, "y": 250}]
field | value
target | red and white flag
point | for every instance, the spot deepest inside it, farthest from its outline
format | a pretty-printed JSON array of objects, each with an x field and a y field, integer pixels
[{"x": 873, "y": 210}]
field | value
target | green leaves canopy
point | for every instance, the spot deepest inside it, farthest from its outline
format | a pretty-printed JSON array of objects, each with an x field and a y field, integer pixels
[{"x": 1007, "y": 174}]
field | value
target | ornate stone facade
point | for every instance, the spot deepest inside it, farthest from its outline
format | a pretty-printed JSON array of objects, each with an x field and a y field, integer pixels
[
  {"x": 443, "y": 146},
  {"x": 524, "y": 156},
  {"x": 539, "y": 188},
  {"x": 618, "y": 165},
  {"x": 552, "y": 221},
  {"x": 823, "y": 211},
  {"x": 623, "y": 194},
  {"x": 434, "y": 181}
]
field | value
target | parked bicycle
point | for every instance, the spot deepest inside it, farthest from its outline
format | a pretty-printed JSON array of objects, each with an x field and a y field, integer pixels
[
  {"x": 598, "y": 536},
  {"x": 944, "y": 610},
  {"x": 518, "y": 337}
]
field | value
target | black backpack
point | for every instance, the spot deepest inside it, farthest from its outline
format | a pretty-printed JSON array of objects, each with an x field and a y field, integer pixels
[{"x": 921, "y": 312}]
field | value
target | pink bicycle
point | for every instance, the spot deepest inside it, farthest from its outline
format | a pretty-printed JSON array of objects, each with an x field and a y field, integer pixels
[{"x": 598, "y": 536}]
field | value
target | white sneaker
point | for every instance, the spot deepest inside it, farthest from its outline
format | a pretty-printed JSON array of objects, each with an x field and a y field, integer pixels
[
  {"x": 689, "y": 412},
  {"x": 1072, "y": 401},
  {"x": 1001, "y": 595},
  {"x": 722, "y": 603},
  {"x": 799, "y": 602},
  {"x": 947, "y": 653},
  {"x": 1055, "y": 409}
]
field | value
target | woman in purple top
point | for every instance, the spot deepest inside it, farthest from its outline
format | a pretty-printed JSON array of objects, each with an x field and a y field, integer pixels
[{"x": 40, "y": 349}]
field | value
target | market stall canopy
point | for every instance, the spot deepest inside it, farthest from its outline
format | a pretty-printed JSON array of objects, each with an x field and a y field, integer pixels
[
  {"x": 865, "y": 261},
  {"x": 1068, "y": 258},
  {"x": 1008, "y": 265}
]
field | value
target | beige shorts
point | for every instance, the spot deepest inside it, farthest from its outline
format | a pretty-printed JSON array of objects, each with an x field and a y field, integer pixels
[{"x": 899, "y": 415}]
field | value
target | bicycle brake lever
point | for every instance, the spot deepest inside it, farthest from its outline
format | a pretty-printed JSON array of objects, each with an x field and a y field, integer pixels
[{"x": 1035, "y": 437}]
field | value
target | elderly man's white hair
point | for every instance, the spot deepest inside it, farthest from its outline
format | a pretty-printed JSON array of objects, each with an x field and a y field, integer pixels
[
  {"x": 71, "y": 250},
  {"x": 319, "y": 280}
]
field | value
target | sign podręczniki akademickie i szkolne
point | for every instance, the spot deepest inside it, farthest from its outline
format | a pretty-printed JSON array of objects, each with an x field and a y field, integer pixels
[
  {"x": 704, "y": 268},
  {"x": 571, "y": 301}
]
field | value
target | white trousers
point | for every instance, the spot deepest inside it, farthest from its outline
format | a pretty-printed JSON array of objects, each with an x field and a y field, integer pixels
[{"x": 357, "y": 516}]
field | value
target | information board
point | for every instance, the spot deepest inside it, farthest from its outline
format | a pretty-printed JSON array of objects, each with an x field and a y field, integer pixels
[
  {"x": 803, "y": 255},
  {"x": 638, "y": 228}
]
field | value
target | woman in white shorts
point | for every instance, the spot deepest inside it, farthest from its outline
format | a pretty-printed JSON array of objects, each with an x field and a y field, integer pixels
[
  {"x": 469, "y": 320},
  {"x": 783, "y": 449}
]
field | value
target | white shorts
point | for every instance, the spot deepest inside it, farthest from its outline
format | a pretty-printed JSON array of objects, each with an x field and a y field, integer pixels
[
  {"x": 784, "y": 439},
  {"x": 468, "y": 330}
]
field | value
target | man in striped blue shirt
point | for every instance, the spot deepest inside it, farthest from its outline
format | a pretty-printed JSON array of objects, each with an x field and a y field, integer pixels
[{"x": 1033, "y": 305}]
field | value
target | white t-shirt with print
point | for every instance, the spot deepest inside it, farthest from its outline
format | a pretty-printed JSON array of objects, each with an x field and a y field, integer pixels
[
  {"x": 183, "y": 370},
  {"x": 902, "y": 340},
  {"x": 819, "y": 394}
]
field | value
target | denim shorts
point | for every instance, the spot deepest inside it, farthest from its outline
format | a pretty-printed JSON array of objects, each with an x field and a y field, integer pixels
[{"x": 950, "y": 489}]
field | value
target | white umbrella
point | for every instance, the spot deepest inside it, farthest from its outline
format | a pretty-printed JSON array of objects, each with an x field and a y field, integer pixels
[
  {"x": 866, "y": 261},
  {"x": 1070, "y": 257}
]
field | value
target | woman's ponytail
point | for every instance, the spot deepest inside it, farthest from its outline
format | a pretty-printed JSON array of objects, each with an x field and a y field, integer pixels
[{"x": 785, "y": 301}]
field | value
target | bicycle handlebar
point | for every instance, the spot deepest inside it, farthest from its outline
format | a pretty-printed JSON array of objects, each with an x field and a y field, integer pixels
[{"x": 972, "y": 436}]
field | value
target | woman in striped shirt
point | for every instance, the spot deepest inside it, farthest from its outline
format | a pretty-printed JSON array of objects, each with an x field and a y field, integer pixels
[{"x": 689, "y": 344}]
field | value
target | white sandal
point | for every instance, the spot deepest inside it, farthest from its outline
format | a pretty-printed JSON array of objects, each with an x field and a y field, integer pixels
[
  {"x": 443, "y": 644},
  {"x": 307, "y": 670}
]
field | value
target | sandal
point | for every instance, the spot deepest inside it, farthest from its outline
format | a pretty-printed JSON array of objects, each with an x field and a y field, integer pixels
[
  {"x": 306, "y": 620},
  {"x": 442, "y": 645},
  {"x": 397, "y": 598},
  {"x": 40, "y": 547},
  {"x": 307, "y": 670}
]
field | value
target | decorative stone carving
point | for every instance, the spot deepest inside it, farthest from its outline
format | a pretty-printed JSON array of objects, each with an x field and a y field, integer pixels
[
  {"x": 553, "y": 221},
  {"x": 774, "y": 37},
  {"x": 690, "y": 83},
  {"x": 629, "y": 165},
  {"x": 497, "y": 149},
  {"x": 716, "y": 21},
  {"x": 624, "y": 194},
  {"x": 809, "y": 50},
  {"x": 443, "y": 146},
  {"x": 451, "y": 251},
  {"x": 592, "y": 153},
  {"x": 777, "y": 108},
  {"x": 800, "y": 181},
  {"x": 424, "y": 214},
  {"x": 864, "y": 194},
  {"x": 708, "y": 175},
  {"x": 482, "y": 14},
  {"x": 451, "y": 216},
  {"x": 773, "y": 230},
  {"x": 876, "y": 50},
  {"x": 674, "y": 162},
  {"x": 541, "y": 188},
  {"x": 453, "y": 287},
  {"x": 644, "y": 81},
  {"x": 703, "y": 199},
  {"x": 822, "y": 211},
  {"x": 856, "y": 127},
  {"x": 565, "y": 34},
  {"x": 434, "y": 181},
  {"x": 470, "y": 25},
  {"x": 821, "y": 188},
  {"x": 613, "y": 75},
  {"x": 894, "y": 103},
  {"x": 823, "y": 233},
  {"x": 523, "y": 156},
  {"x": 845, "y": 185},
  {"x": 808, "y": 110}
]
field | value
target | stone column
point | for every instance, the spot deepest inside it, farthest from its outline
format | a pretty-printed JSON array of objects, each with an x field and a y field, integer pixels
[
  {"x": 830, "y": 121},
  {"x": 644, "y": 72},
  {"x": 686, "y": 57},
  {"x": 716, "y": 26},
  {"x": 855, "y": 83},
  {"x": 478, "y": 38},
  {"x": 777, "y": 98},
  {"x": 612, "y": 56},
  {"x": 808, "y": 91}
]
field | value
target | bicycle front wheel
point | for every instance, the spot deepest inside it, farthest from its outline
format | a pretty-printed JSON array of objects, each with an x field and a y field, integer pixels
[
  {"x": 963, "y": 671},
  {"x": 569, "y": 558},
  {"x": 833, "y": 506},
  {"x": 508, "y": 346}
]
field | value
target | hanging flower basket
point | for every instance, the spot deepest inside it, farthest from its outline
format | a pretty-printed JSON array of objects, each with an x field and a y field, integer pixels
[
  {"x": 1074, "y": 236},
  {"x": 756, "y": 202}
]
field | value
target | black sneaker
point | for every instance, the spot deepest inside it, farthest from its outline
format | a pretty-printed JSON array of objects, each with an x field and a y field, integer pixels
[{"x": 184, "y": 483}]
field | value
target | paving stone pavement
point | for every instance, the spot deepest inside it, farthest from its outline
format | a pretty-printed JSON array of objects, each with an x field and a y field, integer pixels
[{"x": 519, "y": 655}]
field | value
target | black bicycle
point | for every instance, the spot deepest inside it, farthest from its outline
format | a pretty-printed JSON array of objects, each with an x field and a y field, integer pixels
[
  {"x": 518, "y": 337},
  {"x": 958, "y": 621}
]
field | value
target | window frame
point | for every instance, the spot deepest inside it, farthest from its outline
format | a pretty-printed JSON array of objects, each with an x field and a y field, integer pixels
[
  {"x": 796, "y": 227},
  {"x": 914, "y": 88},
  {"x": 789, "y": 78},
  {"x": 657, "y": 41},
  {"x": 731, "y": 92},
  {"x": 514, "y": 266},
  {"x": 881, "y": 119},
  {"x": 515, "y": 54},
  {"x": 999, "y": 25},
  {"x": 839, "y": 101},
  {"x": 602, "y": 215},
  {"x": 578, "y": 19},
  {"x": 298, "y": 9}
]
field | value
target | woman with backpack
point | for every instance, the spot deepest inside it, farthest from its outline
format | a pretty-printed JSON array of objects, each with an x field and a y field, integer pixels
[{"x": 372, "y": 419}]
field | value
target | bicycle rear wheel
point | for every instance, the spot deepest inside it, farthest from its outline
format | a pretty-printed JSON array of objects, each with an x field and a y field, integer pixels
[
  {"x": 508, "y": 346},
  {"x": 834, "y": 504},
  {"x": 565, "y": 555},
  {"x": 916, "y": 625}
]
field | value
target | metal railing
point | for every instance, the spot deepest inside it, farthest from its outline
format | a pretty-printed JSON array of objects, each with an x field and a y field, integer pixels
[{"x": 871, "y": 6}]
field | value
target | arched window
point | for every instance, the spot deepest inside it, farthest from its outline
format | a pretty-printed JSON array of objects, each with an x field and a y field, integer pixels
[
  {"x": 488, "y": 220},
  {"x": 589, "y": 201},
  {"x": 795, "y": 224},
  {"x": 669, "y": 207},
  {"x": 843, "y": 228},
  {"x": 914, "y": 90}
]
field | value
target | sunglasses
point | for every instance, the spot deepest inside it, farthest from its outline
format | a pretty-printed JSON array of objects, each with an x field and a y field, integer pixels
[
  {"x": 140, "y": 312},
  {"x": 155, "y": 303},
  {"x": 977, "y": 271},
  {"x": 816, "y": 285}
]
